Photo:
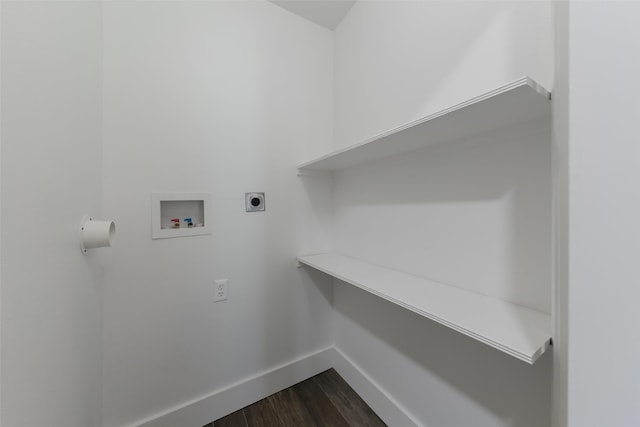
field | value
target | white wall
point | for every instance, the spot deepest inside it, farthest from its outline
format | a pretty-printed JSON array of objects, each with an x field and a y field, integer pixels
[
  {"x": 191, "y": 91},
  {"x": 474, "y": 213},
  {"x": 1, "y": 216},
  {"x": 51, "y": 176},
  {"x": 560, "y": 102},
  {"x": 604, "y": 237},
  {"x": 224, "y": 98},
  {"x": 397, "y": 61}
]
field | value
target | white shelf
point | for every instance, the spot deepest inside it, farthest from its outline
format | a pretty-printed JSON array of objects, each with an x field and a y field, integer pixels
[
  {"x": 521, "y": 332},
  {"x": 517, "y": 102}
]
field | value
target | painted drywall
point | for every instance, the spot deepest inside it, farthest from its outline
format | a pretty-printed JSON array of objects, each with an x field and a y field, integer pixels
[
  {"x": 327, "y": 14},
  {"x": 195, "y": 98},
  {"x": 604, "y": 237},
  {"x": 222, "y": 98},
  {"x": 438, "y": 377},
  {"x": 560, "y": 158},
  {"x": 397, "y": 61},
  {"x": 51, "y": 176},
  {"x": 0, "y": 219},
  {"x": 475, "y": 213}
]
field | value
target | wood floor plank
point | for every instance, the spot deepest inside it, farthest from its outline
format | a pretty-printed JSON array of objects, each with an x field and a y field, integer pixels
[
  {"x": 291, "y": 409},
  {"x": 261, "y": 414},
  {"x": 347, "y": 401},
  {"x": 325, "y": 400},
  {"x": 318, "y": 404},
  {"x": 236, "y": 419}
]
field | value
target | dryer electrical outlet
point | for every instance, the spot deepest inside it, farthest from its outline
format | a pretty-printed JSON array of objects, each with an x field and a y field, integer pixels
[{"x": 254, "y": 202}]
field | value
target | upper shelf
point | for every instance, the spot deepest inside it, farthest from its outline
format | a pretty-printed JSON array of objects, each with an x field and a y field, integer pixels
[
  {"x": 519, "y": 331},
  {"x": 516, "y": 102}
]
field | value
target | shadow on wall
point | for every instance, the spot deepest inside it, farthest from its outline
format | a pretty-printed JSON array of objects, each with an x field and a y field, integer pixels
[
  {"x": 442, "y": 377},
  {"x": 474, "y": 213},
  {"x": 511, "y": 38},
  {"x": 405, "y": 71}
]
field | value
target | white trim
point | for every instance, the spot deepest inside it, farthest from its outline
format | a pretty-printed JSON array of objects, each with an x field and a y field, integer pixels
[
  {"x": 222, "y": 402},
  {"x": 384, "y": 405}
]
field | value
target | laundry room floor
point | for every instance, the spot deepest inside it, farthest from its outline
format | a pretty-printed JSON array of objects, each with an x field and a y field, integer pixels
[{"x": 321, "y": 401}]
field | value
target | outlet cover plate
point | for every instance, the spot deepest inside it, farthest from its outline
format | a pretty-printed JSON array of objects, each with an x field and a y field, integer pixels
[
  {"x": 254, "y": 202},
  {"x": 220, "y": 290}
]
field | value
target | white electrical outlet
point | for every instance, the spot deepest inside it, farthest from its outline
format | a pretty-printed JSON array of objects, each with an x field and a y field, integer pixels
[{"x": 220, "y": 290}]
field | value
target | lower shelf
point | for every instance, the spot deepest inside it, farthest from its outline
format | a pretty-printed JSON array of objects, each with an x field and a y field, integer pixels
[{"x": 519, "y": 331}]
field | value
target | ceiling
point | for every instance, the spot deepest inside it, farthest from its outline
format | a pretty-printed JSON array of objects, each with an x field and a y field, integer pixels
[{"x": 327, "y": 13}]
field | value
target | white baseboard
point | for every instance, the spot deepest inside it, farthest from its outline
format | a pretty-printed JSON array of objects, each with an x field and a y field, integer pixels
[
  {"x": 229, "y": 399},
  {"x": 385, "y": 406}
]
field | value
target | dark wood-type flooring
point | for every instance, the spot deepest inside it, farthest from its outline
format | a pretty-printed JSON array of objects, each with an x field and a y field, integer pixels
[{"x": 325, "y": 400}]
